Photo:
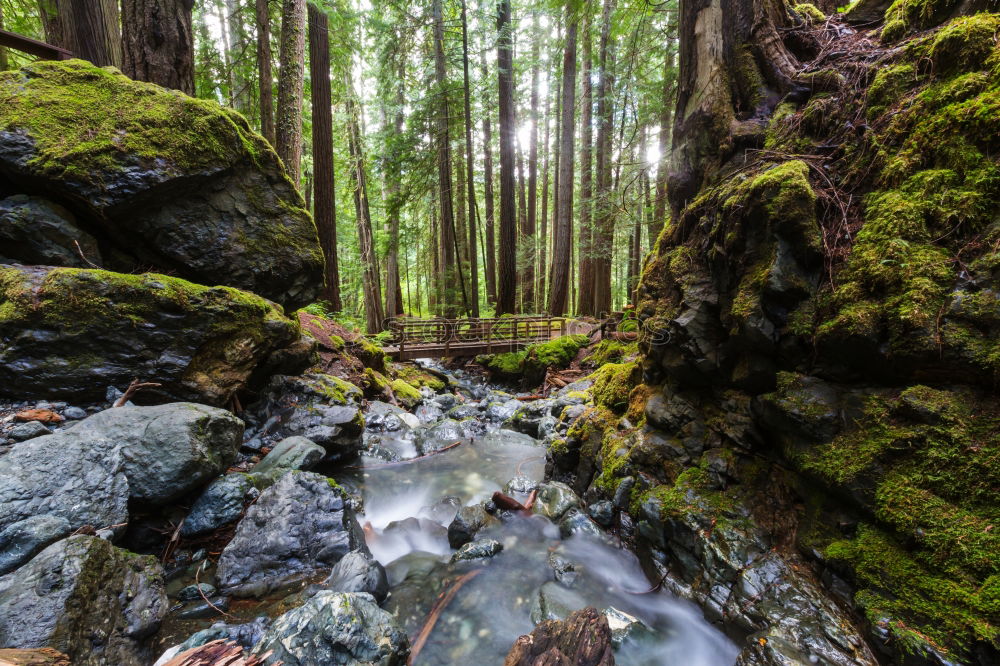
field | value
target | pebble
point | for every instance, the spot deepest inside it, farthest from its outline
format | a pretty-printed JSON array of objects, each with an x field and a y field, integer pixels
[
  {"x": 28, "y": 430},
  {"x": 74, "y": 413},
  {"x": 191, "y": 593}
]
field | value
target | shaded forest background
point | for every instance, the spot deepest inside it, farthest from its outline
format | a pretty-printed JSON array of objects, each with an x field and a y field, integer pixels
[{"x": 459, "y": 156}]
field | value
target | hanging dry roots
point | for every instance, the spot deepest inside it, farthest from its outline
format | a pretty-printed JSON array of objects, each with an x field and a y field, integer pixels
[
  {"x": 134, "y": 387},
  {"x": 219, "y": 653}
]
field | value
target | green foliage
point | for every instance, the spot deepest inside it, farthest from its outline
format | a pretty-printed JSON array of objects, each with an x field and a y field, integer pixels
[{"x": 611, "y": 351}]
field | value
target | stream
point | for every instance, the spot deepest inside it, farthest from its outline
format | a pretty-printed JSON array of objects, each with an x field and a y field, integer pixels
[{"x": 407, "y": 508}]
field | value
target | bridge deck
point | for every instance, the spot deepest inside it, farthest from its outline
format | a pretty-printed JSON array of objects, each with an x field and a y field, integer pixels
[
  {"x": 455, "y": 349},
  {"x": 437, "y": 338}
]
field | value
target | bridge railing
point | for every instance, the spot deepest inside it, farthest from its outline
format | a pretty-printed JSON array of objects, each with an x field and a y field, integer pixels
[{"x": 503, "y": 332}]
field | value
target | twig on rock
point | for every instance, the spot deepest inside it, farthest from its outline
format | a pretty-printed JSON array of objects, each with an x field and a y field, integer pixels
[
  {"x": 132, "y": 389},
  {"x": 79, "y": 251}
]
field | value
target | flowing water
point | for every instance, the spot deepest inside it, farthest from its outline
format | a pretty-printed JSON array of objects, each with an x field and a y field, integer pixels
[{"x": 410, "y": 499}]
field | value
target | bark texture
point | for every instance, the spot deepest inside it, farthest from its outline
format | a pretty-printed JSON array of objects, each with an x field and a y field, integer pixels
[
  {"x": 291, "y": 85},
  {"x": 158, "y": 42},
  {"x": 265, "y": 78},
  {"x": 507, "y": 268},
  {"x": 582, "y": 639},
  {"x": 88, "y": 28}
]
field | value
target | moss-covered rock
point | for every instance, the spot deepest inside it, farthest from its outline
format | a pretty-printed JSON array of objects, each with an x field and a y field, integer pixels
[
  {"x": 70, "y": 332},
  {"x": 613, "y": 382},
  {"x": 175, "y": 183},
  {"x": 418, "y": 377},
  {"x": 406, "y": 394}
]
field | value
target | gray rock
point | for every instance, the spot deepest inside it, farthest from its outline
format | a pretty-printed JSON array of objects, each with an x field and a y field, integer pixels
[
  {"x": 220, "y": 504},
  {"x": 335, "y": 628},
  {"x": 290, "y": 453},
  {"x": 169, "y": 450},
  {"x": 520, "y": 484},
  {"x": 52, "y": 485},
  {"x": 210, "y": 202},
  {"x": 25, "y": 431},
  {"x": 358, "y": 572},
  {"x": 87, "y": 599},
  {"x": 74, "y": 413},
  {"x": 36, "y": 231},
  {"x": 298, "y": 526},
  {"x": 192, "y": 592},
  {"x": 201, "y": 609},
  {"x": 603, "y": 512},
  {"x": 625, "y": 627},
  {"x": 477, "y": 550},
  {"x": 501, "y": 411},
  {"x": 554, "y": 499},
  {"x": 564, "y": 570},
  {"x": 462, "y": 412},
  {"x": 467, "y": 522},
  {"x": 529, "y": 416},
  {"x": 576, "y": 521},
  {"x": 247, "y": 634}
]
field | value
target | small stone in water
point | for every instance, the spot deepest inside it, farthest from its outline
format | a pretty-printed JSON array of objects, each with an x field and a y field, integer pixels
[
  {"x": 477, "y": 550},
  {"x": 190, "y": 592},
  {"x": 29, "y": 430}
]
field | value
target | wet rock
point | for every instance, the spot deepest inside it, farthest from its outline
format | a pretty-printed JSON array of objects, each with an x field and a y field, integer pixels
[
  {"x": 602, "y": 512},
  {"x": 75, "y": 413},
  {"x": 322, "y": 408},
  {"x": 445, "y": 401},
  {"x": 521, "y": 485},
  {"x": 529, "y": 417},
  {"x": 86, "y": 598},
  {"x": 441, "y": 434},
  {"x": 358, "y": 572},
  {"x": 576, "y": 521},
  {"x": 171, "y": 182},
  {"x": 467, "y": 523},
  {"x": 564, "y": 570},
  {"x": 625, "y": 627},
  {"x": 71, "y": 332},
  {"x": 221, "y": 503},
  {"x": 428, "y": 413},
  {"x": 52, "y": 485},
  {"x": 246, "y": 634},
  {"x": 288, "y": 454},
  {"x": 199, "y": 610},
  {"x": 443, "y": 511},
  {"x": 37, "y": 231},
  {"x": 477, "y": 550},
  {"x": 554, "y": 499},
  {"x": 503, "y": 438},
  {"x": 25, "y": 431},
  {"x": 335, "y": 628},
  {"x": 383, "y": 417},
  {"x": 192, "y": 592},
  {"x": 501, "y": 411},
  {"x": 555, "y": 601},
  {"x": 583, "y": 639},
  {"x": 298, "y": 526}
]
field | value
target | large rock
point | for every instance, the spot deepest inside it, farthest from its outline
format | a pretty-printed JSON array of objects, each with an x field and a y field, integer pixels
[
  {"x": 335, "y": 628},
  {"x": 170, "y": 182},
  {"x": 299, "y": 526},
  {"x": 359, "y": 572},
  {"x": 53, "y": 485},
  {"x": 34, "y": 230},
  {"x": 290, "y": 453},
  {"x": 86, "y": 598},
  {"x": 70, "y": 332},
  {"x": 168, "y": 450},
  {"x": 221, "y": 503}
]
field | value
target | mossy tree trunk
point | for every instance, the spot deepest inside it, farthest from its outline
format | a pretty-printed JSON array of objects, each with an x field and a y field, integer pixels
[
  {"x": 158, "y": 42},
  {"x": 324, "y": 201},
  {"x": 265, "y": 78},
  {"x": 291, "y": 85}
]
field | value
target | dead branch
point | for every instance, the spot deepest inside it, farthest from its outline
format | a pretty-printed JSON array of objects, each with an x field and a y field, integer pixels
[
  {"x": 132, "y": 389},
  {"x": 442, "y": 602},
  {"x": 79, "y": 251},
  {"x": 219, "y": 653}
]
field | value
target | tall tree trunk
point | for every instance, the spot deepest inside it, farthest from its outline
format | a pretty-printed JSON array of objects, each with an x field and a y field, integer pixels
[
  {"x": 470, "y": 175},
  {"x": 543, "y": 232},
  {"x": 604, "y": 212},
  {"x": 266, "y": 81},
  {"x": 227, "y": 63},
  {"x": 507, "y": 278},
  {"x": 585, "y": 282},
  {"x": 526, "y": 241},
  {"x": 450, "y": 271},
  {"x": 324, "y": 199},
  {"x": 4, "y": 64},
  {"x": 158, "y": 42},
  {"x": 237, "y": 42},
  {"x": 533, "y": 154},
  {"x": 561, "y": 237},
  {"x": 88, "y": 28},
  {"x": 393, "y": 290},
  {"x": 291, "y": 83},
  {"x": 491, "y": 264},
  {"x": 363, "y": 220}
]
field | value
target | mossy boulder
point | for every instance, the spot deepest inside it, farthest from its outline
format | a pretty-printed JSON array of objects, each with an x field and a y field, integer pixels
[
  {"x": 69, "y": 333},
  {"x": 169, "y": 182}
]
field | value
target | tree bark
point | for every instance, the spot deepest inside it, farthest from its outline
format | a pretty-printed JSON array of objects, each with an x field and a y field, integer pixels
[
  {"x": 604, "y": 212},
  {"x": 525, "y": 241},
  {"x": 543, "y": 232},
  {"x": 507, "y": 278},
  {"x": 324, "y": 200},
  {"x": 491, "y": 264},
  {"x": 530, "y": 227},
  {"x": 585, "y": 282},
  {"x": 238, "y": 43},
  {"x": 88, "y": 28},
  {"x": 291, "y": 84},
  {"x": 450, "y": 271},
  {"x": 158, "y": 42},
  {"x": 561, "y": 236},
  {"x": 265, "y": 79},
  {"x": 363, "y": 220},
  {"x": 470, "y": 175},
  {"x": 666, "y": 118},
  {"x": 393, "y": 290}
]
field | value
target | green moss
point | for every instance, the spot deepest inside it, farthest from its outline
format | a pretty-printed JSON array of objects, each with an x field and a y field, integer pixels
[
  {"x": 963, "y": 45},
  {"x": 508, "y": 365},
  {"x": 84, "y": 118},
  {"x": 376, "y": 384},
  {"x": 809, "y": 12},
  {"x": 611, "y": 351},
  {"x": 905, "y": 16},
  {"x": 419, "y": 378},
  {"x": 889, "y": 87},
  {"x": 613, "y": 382},
  {"x": 405, "y": 393},
  {"x": 337, "y": 390},
  {"x": 556, "y": 353}
]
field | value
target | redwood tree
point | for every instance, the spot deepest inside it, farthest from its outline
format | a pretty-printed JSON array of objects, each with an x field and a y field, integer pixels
[
  {"x": 265, "y": 79},
  {"x": 88, "y": 28},
  {"x": 291, "y": 84},
  {"x": 507, "y": 269},
  {"x": 158, "y": 42}
]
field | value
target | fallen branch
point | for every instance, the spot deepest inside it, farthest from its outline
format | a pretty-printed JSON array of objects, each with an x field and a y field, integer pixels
[
  {"x": 407, "y": 461},
  {"x": 442, "y": 602},
  {"x": 508, "y": 503},
  {"x": 132, "y": 389},
  {"x": 219, "y": 652},
  {"x": 197, "y": 584},
  {"x": 79, "y": 251},
  {"x": 534, "y": 396}
]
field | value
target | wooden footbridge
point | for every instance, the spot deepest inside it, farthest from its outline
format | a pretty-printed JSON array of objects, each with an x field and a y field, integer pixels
[{"x": 437, "y": 338}]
